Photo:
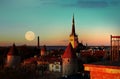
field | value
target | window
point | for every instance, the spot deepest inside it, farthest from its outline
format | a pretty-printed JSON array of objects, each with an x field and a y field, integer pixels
[
  {"x": 57, "y": 66},
  {"x": 52, "y": 65},
  {"x": 68, "y": 60}
]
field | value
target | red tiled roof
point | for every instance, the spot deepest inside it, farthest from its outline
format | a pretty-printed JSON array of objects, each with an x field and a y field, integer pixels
[
  {"x": 99, "y": 53},
  {"x": 52, "y": 60},
  {"x": 86, "y": 53},
  {"x": 69, "y": 53}
]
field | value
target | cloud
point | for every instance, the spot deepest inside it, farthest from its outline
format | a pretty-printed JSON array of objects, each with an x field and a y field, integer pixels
[
  {"x": 26, "y": 3},
  {"x": 115, "y": 3},
  {"x": 62, "y": 3},
  {"x": 88, "y": 4},
  {"x": 92, "y": 4},
  {"x": 65, "y": 41}
]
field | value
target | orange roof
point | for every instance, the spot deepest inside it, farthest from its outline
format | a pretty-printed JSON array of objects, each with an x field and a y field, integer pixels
[
  {"x": 69, "y": 53},
  {"x": 99, "y": 53},
  {"x": 54, "y": 59}
]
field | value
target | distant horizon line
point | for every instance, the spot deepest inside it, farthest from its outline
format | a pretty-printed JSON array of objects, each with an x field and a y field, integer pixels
[{"x": 49, "y": 45}]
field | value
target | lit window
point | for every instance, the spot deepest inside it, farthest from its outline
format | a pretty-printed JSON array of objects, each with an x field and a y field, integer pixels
[{"x": 57, "y": 67}]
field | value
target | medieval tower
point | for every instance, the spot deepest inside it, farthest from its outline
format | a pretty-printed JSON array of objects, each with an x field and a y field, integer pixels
[
  {"x": 69, "y": 58},
  {"x": 73, "y": 37},
  {"x": 13, "y": 57},
  {"x": 43, "y": 51},
  {"x": 69, "y": 61}
]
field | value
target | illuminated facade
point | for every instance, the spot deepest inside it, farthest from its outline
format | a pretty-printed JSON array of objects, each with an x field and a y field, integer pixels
[{"x": 115, "y": 48}]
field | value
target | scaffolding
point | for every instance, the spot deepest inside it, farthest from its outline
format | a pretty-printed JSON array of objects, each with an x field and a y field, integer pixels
[{"x": 115, "y": 48}]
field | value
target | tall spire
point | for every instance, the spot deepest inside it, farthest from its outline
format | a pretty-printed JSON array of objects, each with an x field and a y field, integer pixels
[{"x": 73, "y": 27}]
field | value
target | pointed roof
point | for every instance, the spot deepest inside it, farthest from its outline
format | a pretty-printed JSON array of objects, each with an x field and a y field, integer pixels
[
  {"x": 69, "y": 53},
  {"x": 13, "y": 51},
  {"x": 73, "y": 27},
  {"x": 43, "y": 48}
]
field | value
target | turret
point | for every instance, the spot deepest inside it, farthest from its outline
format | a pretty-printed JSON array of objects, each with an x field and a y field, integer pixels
[
  {"x": 43, "y": 51},
  {"x": 13, "y": 57},
  {"x": 69, "y": 61}
]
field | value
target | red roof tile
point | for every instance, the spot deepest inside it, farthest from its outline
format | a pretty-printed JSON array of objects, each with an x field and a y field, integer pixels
[
  {"x": 99, "y": 53},
  {"x": 69, "y": 53}
]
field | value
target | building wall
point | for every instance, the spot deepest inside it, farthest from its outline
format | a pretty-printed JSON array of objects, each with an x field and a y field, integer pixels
[
  {"x": 12, "y": 60},
  {"x": 69, "y": 66},
  {"x": 55, "y": 67},
  {"x": 43, "y": 53},
  {"x": 103, "y": 72}
]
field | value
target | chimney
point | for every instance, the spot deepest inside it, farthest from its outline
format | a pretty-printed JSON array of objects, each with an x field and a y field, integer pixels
[{"x": 38, "y": 42}]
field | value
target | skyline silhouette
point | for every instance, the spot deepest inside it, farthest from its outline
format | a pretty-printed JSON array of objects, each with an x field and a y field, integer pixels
[{"x": 51, "y": 20}]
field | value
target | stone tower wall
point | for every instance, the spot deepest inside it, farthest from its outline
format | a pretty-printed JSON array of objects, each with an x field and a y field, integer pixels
[
  {"x": 12, "y": 60},
  {"x": 69, "y": 66}
]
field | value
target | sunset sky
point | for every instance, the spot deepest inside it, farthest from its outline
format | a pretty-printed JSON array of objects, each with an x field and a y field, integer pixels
[{"x": 51, "y": 20}]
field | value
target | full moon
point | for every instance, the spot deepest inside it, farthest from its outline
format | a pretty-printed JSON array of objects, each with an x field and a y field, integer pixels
[{"x": 29, "y": 35}]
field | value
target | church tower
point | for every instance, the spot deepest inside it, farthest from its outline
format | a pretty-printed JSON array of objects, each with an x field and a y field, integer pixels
[{"x": 73, "y": 37}]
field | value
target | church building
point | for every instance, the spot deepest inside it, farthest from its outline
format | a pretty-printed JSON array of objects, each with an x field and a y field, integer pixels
[{"x": 69, "y": 58}]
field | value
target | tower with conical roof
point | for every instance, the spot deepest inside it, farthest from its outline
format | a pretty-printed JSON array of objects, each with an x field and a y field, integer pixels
[
  {"x": 43, "y": 51},
  {"x": 13, "y": 57},
  {"x": 69, "y": 61},
  {"x": 73, "y": 37}
]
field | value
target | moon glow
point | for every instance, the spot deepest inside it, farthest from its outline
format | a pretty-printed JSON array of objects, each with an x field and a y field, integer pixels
[{"x": 29, "y": 35}]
